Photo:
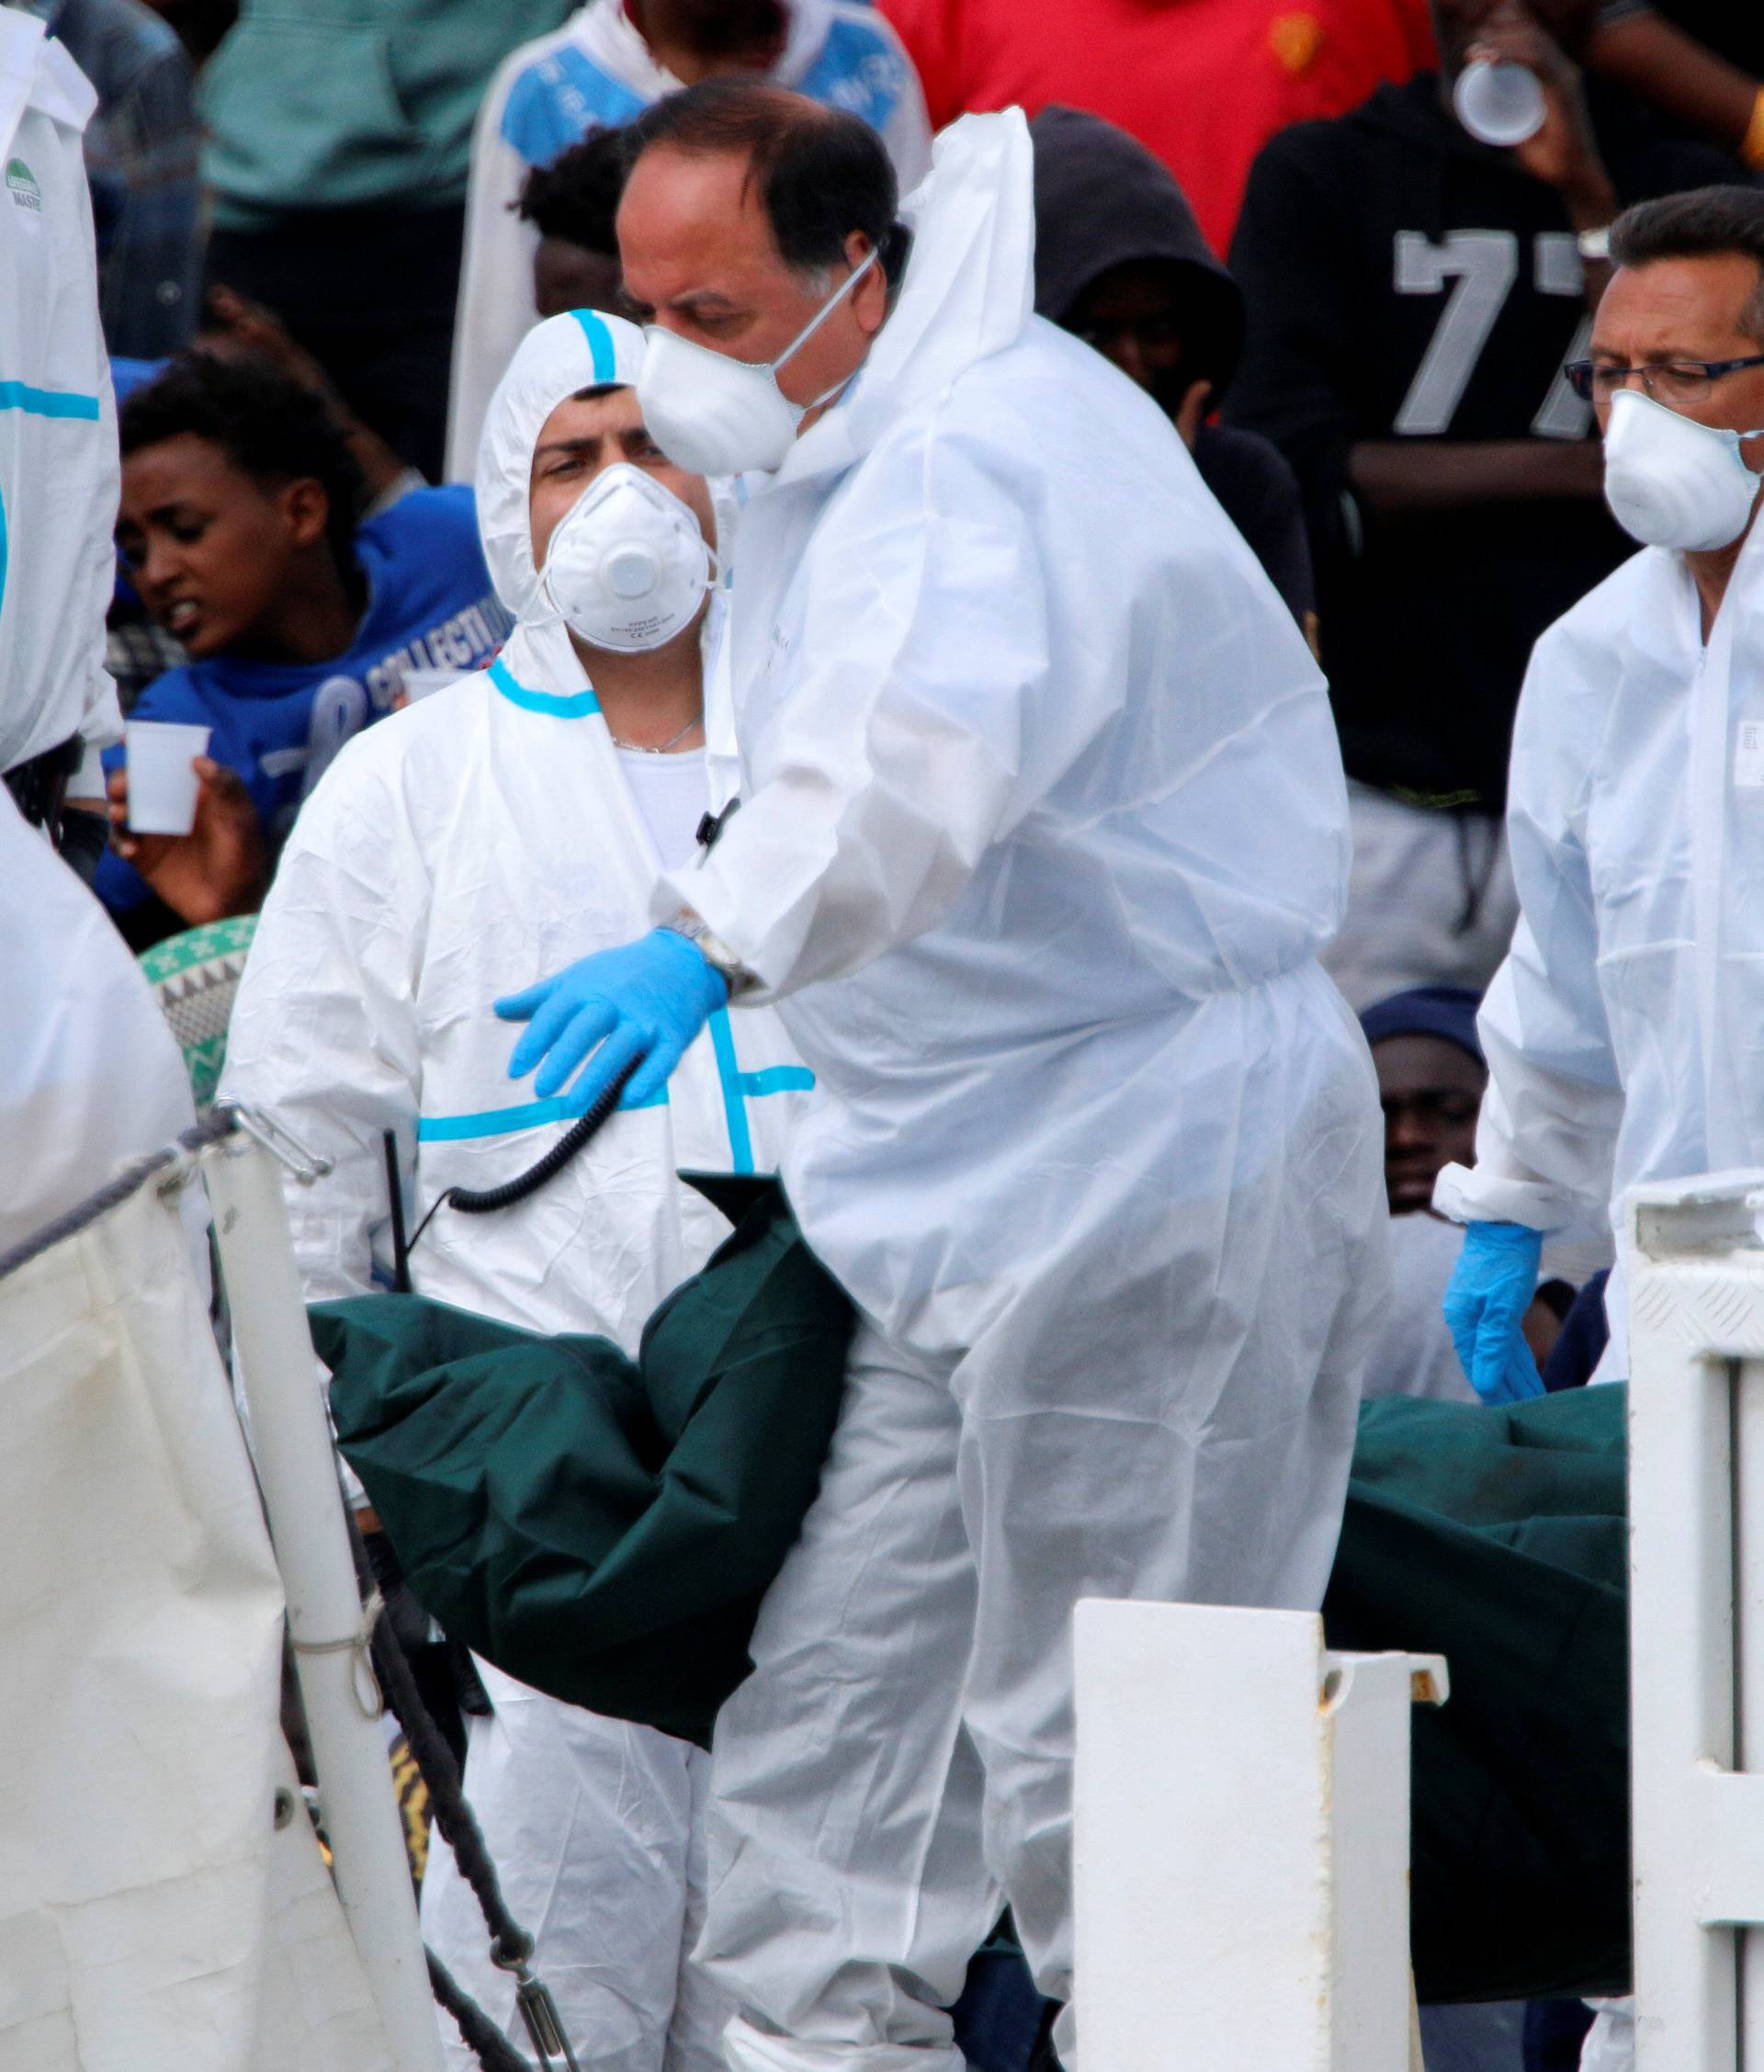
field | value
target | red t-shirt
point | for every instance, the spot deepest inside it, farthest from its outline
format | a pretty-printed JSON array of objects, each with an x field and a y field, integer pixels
[{"x": 1204, "y": 83}]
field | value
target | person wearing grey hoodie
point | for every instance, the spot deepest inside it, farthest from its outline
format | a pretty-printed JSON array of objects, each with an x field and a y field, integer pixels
[{"x": 1120, "y": 262}]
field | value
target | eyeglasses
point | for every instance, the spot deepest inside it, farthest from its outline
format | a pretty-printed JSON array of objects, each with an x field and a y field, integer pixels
[{"x": 1679, "y": 380}]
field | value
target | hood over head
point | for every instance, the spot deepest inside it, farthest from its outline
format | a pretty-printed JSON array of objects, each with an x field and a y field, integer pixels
[
  {"x": 556, "y": 359},
  {"x": 1101, "y": 201},
  {"x": 967, "y": 292}
]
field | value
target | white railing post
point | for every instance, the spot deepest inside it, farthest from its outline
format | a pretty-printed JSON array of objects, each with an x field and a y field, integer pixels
[
  {"x": 303, "y": 1502},
  {"x": 1241, "y": 1848},
  {"x": 1695, "y": 1264}
]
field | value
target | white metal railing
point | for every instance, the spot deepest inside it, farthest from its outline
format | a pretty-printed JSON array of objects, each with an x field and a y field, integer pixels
[
  {"x": 1694, "y": 1256},
  {"x": 1241, "y": 1851}
]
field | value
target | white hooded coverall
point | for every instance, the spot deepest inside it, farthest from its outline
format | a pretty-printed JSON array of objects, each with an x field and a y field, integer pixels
[
  {"x": 1044, "y": 826},
  {"x": 58, "y": 422},
  {"x": 453, "y": 854},
  {"x": 1622, "y": 1030}
]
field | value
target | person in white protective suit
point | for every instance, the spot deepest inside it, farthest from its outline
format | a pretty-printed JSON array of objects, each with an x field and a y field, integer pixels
[
  {"x": 1043, "y": 826},
  {"x": 58, "y": 447},
  {"x": 1622, "y": 1032},
  {"x": 456, "y": 850}
]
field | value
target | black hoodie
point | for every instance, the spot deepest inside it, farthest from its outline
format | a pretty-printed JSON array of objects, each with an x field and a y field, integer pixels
[
  {"x": 1428, "y": 618},
  {"x": 1102, "y": 200}
]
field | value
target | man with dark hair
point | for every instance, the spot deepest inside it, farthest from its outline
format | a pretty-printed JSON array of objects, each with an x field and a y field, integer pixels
[
  {"x": 240, "y": 528},
  {"x": 1413, "y": 294},
  {"x": 611, "y": 60},
  {"x": 1042, "y": 827},
  {"x": 572, "y": 203}
]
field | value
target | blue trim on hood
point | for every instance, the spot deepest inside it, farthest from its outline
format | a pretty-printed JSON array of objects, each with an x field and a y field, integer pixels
[
  {"x": 600, "y": 343},
  {"x": 577, "y": 706}
]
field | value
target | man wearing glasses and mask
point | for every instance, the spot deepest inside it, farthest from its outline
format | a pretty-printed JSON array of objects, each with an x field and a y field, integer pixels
[{"x": 1622, "y": 1032}]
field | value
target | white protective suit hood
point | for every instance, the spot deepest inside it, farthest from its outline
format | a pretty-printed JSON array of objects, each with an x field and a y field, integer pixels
[
  {"x": 968, "y": 293},
  {"x": 557, "y": 358}
]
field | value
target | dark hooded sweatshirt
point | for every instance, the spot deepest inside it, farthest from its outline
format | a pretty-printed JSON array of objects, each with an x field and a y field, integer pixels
[
  {"x": 1102, "y": 200},
  {"x": 1403, "y": 280}
]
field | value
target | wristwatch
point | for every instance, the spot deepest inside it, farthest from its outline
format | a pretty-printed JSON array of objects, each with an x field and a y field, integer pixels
[
  {"x": 714, "y": 950},
  {"x": 1594, "y": 246}
]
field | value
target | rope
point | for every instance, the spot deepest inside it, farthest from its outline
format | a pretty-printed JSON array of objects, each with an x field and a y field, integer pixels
[
  {"x": 511, "y": 1945},
  {"x": 211, "y": 1130},
  {"x": 494, "y": 2050}
]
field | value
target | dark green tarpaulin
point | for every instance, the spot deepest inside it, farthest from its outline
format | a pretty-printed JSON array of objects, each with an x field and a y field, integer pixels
[
  {"x": 599, "y": 1528},
  {"x": 1497, "y": 1538},
  {"x": 604, "y": 1530}
]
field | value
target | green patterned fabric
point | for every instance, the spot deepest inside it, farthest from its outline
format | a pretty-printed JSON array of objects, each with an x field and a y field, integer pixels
[{"x": 195, "y": 976}]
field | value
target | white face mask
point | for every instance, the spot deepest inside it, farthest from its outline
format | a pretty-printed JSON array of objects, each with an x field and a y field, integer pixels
[
  {"x": 714, "y": 415},
  {"x": 1672, "y": 482},
  {"x": 628, "y": 566}
]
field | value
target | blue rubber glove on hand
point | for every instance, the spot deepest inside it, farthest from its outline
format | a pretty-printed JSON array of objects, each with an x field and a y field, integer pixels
[
  {"x": 641, "y": 1004},
  {"x": 1486, "y": 1300}
]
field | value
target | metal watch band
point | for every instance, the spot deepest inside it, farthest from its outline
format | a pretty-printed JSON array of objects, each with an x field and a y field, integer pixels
[{"x": 714, "y": 950}]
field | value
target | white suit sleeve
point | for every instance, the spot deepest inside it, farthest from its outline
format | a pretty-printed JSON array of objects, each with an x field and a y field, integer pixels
[
  {"x": 1546, "y": 1139},
  {"x": 324, "y": 1035},
  {"x": 496, "y": 308},
  {"x": 917, "y": 725}
]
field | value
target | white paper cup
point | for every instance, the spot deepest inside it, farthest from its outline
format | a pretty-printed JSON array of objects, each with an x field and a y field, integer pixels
[
  {"x": 162, "y": 782},
  {"x": 1498, "y": 104},
  {"x": 424, "y": 683}
]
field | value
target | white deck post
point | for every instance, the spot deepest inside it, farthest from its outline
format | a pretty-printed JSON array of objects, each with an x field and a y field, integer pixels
[
  {"x": 1695, "y": 1260},
  {"x": 1241, "y": 1854},
  {"x": 297, "y": 1472}
]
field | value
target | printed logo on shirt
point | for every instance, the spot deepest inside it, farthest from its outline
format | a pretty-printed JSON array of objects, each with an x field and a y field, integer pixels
[
  {"x": 343, "y": 704},
  {"x": 21, "y": 184},
  {"x": 1748, "y": 756}
]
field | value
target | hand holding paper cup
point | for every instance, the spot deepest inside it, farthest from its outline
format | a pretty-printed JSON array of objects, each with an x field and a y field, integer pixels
[{"x": 162, "y": 775}]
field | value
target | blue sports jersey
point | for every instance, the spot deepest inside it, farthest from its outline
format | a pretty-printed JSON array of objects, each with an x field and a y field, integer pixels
[
  {"x": 430, "y": 605},
  {"x": 563, "y": 93}
]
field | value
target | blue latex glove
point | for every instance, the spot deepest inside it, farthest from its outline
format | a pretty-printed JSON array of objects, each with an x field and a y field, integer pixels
[
  {"x": 640, "y": 1005},
  {"x": 1491, "y": 1290}
]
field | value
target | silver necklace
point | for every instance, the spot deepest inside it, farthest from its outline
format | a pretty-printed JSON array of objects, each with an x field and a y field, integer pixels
[{"x": 642, "y": 748}]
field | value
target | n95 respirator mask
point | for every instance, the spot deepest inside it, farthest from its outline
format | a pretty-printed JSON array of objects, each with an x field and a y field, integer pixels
[
  {"x": 628, "y": 566},
  {"x": 715, "y": 416},
  {"x": 1672, "y": 482}
]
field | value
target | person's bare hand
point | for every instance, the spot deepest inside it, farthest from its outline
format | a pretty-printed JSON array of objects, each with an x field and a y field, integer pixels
[
  {"x": 219, "y": 867},
  {"x": 1191, "y": 413},
  {"x": 1564, "y": 153}
]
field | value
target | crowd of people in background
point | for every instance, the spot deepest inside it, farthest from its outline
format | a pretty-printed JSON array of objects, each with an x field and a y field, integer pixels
[{"x": 319, "y": 240}]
